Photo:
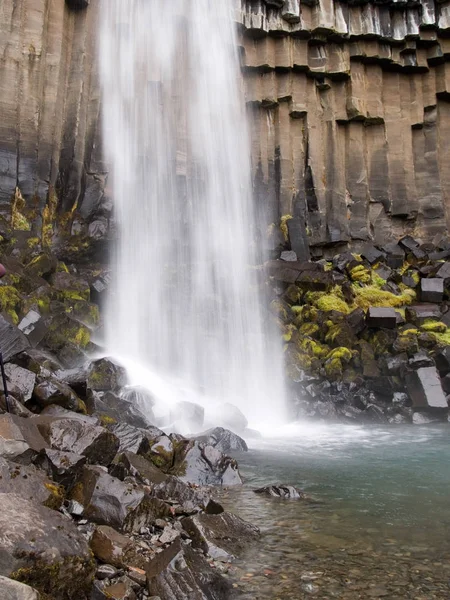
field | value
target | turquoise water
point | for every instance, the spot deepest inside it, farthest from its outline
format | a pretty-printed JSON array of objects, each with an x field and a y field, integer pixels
[{"x": 377, "y": 525}]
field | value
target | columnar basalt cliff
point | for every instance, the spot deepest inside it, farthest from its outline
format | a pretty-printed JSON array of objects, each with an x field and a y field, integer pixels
[
  {"x": 352, "y": 115},
  {"x": 349, "y": 104}
]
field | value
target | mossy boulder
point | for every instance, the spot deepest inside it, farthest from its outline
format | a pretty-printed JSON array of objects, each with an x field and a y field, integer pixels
[
  {"x": 42, "y": 265},
  {"x": 43, "y": 549},
  {"x": 69, "y": 287},
  {"x": 106, "y": 375},
  {"x": 51, "y": 391},
  {"x": 66, "y": 338}
]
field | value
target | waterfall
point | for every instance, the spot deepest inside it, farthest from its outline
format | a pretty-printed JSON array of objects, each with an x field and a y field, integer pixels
[{"x": 186, "y": 300}]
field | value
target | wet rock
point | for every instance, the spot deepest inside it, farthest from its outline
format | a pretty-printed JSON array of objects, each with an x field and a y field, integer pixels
[
  {"x": 188, "y": 415},
  {"x": 375, "y": 414},
  {"x": 20, "y": 439},
  {"x": 425, "y": 390},
  {"x": 105, "y": 571},
  {"x": 381, "y": 318},
  {"x": 69, "y": 286},
  {"x": 64, "y": 467},
  {"x": 396, "y": 364},
  {"x": 400, "y": 399},
  {"x": 76, "y": 378},
  {"x": 281, "y": 491},
  {"x": 131, "y": 438},
  {"x": 371, "y": 254},
  {"x": 105, "y": 499},
  {"x": 395, "y": 255},
  {"x": 315, "y": 281},
  {"x": 187, "y": 498},
  {"x": 220, "y": 536},
  {"x": 36, "y": 360},
  {"x": 223, "y": 440},
  {"x": 22, "y": 379},
  {"x": 230, "y": 417},
  {"x": 182, "y": 573},
  {"x": 13, "y": 590},
  {"x": 431, "y": 290},
  {"x": 13, "y": 340},
  {"x": 106, "y": 375},
  {"x": 421, "y": 418},
  {"x": 408, "y": 243},
  {"x": 421, "y": 359},
  {"x": 52, "y": 391},
  {"x": 122, "y": 590},
  {"x": 204, "y": 465},
  {"x": 117, "y": 408},
  {"x": 15, "y": 407},
  {"x": 289, "y": 256},
  {"x": 298, "y": 238},
  {"x": 445, "y": 381},
  {"x": 444, "y": 271},
  {"x": 43, "y": 549},
  {"x": 69, "y": 435},
  {"x": 56, "y": 411},
  {"x": 357, "y": 321},
  {"x": 29, "y": 483},
  {"x": 141, "y": 468},
  {"x": 443, "y": 361},
  {"x": 418, "y": 313}
]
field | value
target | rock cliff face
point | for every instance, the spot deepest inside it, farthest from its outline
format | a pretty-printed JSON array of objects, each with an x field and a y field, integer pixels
[
  {"x": 351, "y": 114},
  {"x": 349, "y": 106}
]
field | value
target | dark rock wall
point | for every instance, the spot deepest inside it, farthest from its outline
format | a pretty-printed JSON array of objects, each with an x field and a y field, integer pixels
[{"x": 349, "y": 106}]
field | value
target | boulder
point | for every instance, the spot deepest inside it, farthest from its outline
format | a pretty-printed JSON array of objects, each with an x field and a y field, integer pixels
[
  {"x": 432, "y": 290},
  {"x": 56, "y": 411},
  {"x": 418, "y": 313},
  {"x": 105, "y": 374},
  {"x": 183, "y": 573},
  {"x": 113, "y": 548},
  {"x": 20, "y": 439},
  {"x": 443, "y": 361},
  {"x": 43, "y": 549},
  {"x": 289, "y": 256},
  {"x": 186, "y": 498},
  {"x": 13, "y": 590},
  {"x": 444, "y": 271},
  {"x": 420, "y": 418},
  {"x": 281, "y": 491},
  {"x": 21, "y": 378},
  {"x": 121, "y": 590},
  {"x": 13, "y": 340},
  {"x": 396, "y": 364},
  {"x": 205, "y": 465},
  {"x": 118, "y": 408},
  {"x": 141, "y": 468},
  {"x": 408, "y": 243},
  {"x": 131, "y": 438},
  {"x": 381, "y": 318},
  {"x": 68, "y": 435},
  {"x": 421, "y": 359},
  {"x": 357, "y": 321},
  {"x": 395, "y": 255},
  {"x": 63, "y": 467},
  {"x": 222, "y": 536},
  {"x": 105, "y": 499},
  {"x": 222, "y": 439},
  {"x": 69, "y": 286},
  {"x": 425, "y": 389},
  {"x": 51, "y": 391},
  {"x": 371, "y": 254},
  {"x": 29, "y": 483}
]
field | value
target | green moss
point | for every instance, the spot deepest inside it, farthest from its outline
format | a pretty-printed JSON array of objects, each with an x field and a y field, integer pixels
[
  {"x": 329, "y": 302},
  {"x": 434, "y": 326},
  {"x": 312, "y": 347},
  {"x": 297, "y": 310},
  {"x": 61, "y": 267},
  {"x": 289, "y": 330},
  {"x": 415, "y": 276},
  {"x": 443, "y": 339},
  {"x": 377, "y": 280},
  {"x": 279, "y": 309},
  {"x": 33, "y": 242},
  {"x": 333, "y": 368},
  {"x": 106, "y": 420},
  {"x": 293, "y": 293},
  {"x": 9, "y": 301},
  {"x": 371, "y": 295}
]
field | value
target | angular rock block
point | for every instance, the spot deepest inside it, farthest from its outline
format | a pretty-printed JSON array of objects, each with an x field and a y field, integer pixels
[
  {"x": 52, "y": 391},
  {"x": 425, "y": 389},
  {"x": 418, "y": 313},
  {"x": 186, "y": 498},
  {"x": 106, "y": 375},
  {"x": 371, "y": 254},
  {"x": 43, "y": 546},
  {"x": 20, "y": 439},
  {"x": 205, "y": 465},
  {"x": 22, "y": 379},
  {"x": 29, "y": 483},
  {"x": 110, "y": 546},
  {"x": 357, "y": 320},
  {"x": 64, "y": 467},
  {"x": 432, "y": 290},
  {"x": 381, "y": 317},
  {"x": 13, "y": 341},
  {"x": 220, "y": 536},
  {"x": 395, "y": 255},
  {"x": 131, "y": 438},
  {"x": 443, "y": 361},
  {"x": 289, "y": 256},
  {"x": 444, "y": 271},
  {"x": 298, "y": 238},
  {"x": 13, "y": 590},
  {"x": 69, "y": 435},
  {"x": 223, "y": 440}
]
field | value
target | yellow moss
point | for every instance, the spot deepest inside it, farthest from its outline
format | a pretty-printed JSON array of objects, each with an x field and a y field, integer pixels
[
  {"x": 443, "y": 339},
  {"x": 328, "y": 301},
  {"x": 360, "y": 273},
  {"x": 357, "y": 256},
  {"x": 434, "y": 326},
  {"x": 283, "y": 226},
  {"x": 309, "y": 329},
  {"x": 405, "y": 266},
  {"x": 297, "y": 310},
  {"x": 377, "y": 280},
  {"x": 344, "y": 354},
  {"x": 105, "y": 420},
  {"x": 278, "y": 309},
  {"x": 293, "y": 293},
  {"x": 18, "y": 219},
  {"x": 33, "y": 242},
  {"x": 328, "y": 266},
  {"x": 371, "y": 295},
  {"x": 416, "y": 277},
  {"x": 9, "y": 301},
  {"x": 312, "y": 347},
  {"x": 412, "y": 331},
  {"x": 333, "y": 368},
  {"x": 57, "y": 496},
  {"x": 288, "y": 331},
  {"x": 82, "y": 337},
  {"x": 48, "y": 218},
  {"x": 61, "y": 267}
]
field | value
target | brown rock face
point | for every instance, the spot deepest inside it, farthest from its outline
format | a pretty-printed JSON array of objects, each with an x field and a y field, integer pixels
[{"x": 349, "y": 106}]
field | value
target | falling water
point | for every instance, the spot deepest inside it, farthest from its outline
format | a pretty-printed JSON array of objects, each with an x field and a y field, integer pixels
[{"x": 186, "y": 302}]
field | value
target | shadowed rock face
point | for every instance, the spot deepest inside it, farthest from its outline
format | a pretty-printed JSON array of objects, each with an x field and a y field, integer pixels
[{"x": 349, "y": 108}]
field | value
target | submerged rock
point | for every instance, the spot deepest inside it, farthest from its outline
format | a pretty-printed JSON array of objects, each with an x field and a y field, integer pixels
[{"x": 281, "y": 491}]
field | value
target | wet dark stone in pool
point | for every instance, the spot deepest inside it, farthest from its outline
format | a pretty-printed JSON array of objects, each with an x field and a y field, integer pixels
[{"x": 281, "y": 491}]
